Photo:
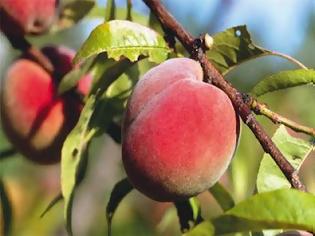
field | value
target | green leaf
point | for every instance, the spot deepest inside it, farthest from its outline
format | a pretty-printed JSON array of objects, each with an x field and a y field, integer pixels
[
  {"x": 233, "y": 47},
  {"x": 284, "y": 80},
  {"x": 106, "y": 71},
  {"x": 110, "y": 10},
  {"x": 205, "y": 228},
  {"x": 283, "y": 208},
  {"x": 56, "y": 199},
  {"x": 74, "y": 157},
  {"x": 6, "y": 209},
  {"x": 111, "y": 104},
  {"x": 295, "y": 151},
  {"x": 120, "y": 190},
  {"x": 222, "y": 196},
  {"x": 72, "y": 13},
  {"x": 70, "y": 80},
  {"x": 189, "y": 213},
  {"x": 124, "y": 38}
]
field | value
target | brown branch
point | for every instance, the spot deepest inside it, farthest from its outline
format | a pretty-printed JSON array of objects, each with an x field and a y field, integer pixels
[
  {"x": 213, "y": 76},
  {"x": 262, "y": 109},
  {"x": 29, "y": 50}
]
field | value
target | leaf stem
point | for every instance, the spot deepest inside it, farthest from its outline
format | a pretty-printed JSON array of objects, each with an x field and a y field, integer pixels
[
  {"x": 262, "y": 109},
  {"x": 289, "y": 58}
]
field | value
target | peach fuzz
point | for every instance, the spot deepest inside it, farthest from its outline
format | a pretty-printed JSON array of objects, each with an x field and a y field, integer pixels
[{"x": 179, "y": 133}]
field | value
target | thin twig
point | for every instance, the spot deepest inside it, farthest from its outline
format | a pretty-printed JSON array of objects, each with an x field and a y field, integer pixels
[
  {"x": 262, "y": 109},
  {"x": 32, "y": 52},
  {"x": 213, "y": 76}
]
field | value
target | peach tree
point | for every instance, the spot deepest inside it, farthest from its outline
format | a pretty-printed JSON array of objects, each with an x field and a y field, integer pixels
[{"x": 178, "y": 120}]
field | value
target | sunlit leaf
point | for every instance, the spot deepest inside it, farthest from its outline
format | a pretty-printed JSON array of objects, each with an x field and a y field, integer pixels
[
  {"x": 121, "y": 87},
  {"x": 120, "y": 38},
  {"x": 295, "y": 151},
  {"x": 6, "y": 209},
  {"x": 74, "y": 157},
  {"x": 222, "y": 196},
  {"x": 53, "y": 202},
  {"x": 284, "y": 208},
  {"x": 70, "y": 80},
  {"x": 120, "y": 190},
  {"x": 105, "y": 71},
  {"x": 205, "y": 228},
  {"x": 284, "y": 80}
]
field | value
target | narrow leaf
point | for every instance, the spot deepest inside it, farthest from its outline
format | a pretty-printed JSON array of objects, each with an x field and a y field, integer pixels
[
  {"x": 120, "y": 190},
  {"x": 189, "y": 213},
  {"x": 56, "y": 199},
  {"x": 284, "y": 80},
  {"x": 222, "y": 196},
  {"x": 205, "y": 228},
  {"x": 106, "y": 71},
  {"x": 284, "y": 208},
  {"x": 72, "y": 13},
  {"x": 124, "y": 38},
  {"x": 74, "y": 158},
  {"x": 70, "y": 80},
  {"x": 6, "y": 209},
  {"x": 295, "y": 151},
  {"x": 233, "y": 47}
]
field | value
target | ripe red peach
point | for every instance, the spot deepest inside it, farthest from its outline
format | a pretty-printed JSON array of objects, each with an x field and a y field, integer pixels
[
  {"x": 179, "y": 133},
  {"x": 19, "y": 17},
  {"x": 35, "y": 118}
]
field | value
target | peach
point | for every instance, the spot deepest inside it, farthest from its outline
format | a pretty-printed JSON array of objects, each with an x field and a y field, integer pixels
[
  {"x": 179, "y": 133},
  {"x": 35, "y": 119},
  {"x": 19, "y": 17}
]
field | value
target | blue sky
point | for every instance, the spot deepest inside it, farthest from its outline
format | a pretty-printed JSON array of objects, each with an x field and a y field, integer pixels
[{"x": 278, "y": 24}]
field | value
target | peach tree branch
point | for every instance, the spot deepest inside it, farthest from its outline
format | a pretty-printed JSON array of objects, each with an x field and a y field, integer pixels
[
  {"x": 212, "y": 75},
  {"x": 31, "y": 51}
]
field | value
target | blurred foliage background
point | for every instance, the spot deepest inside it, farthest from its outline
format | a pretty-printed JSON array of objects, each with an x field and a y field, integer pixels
[{"x": 287, "y": 26}]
